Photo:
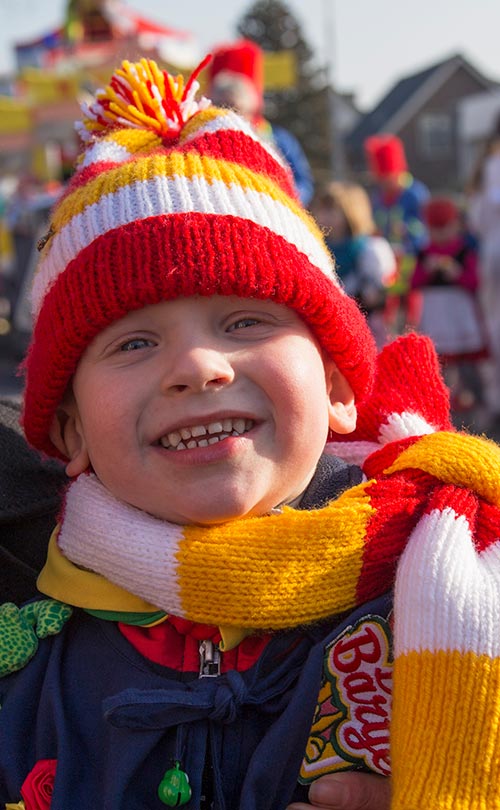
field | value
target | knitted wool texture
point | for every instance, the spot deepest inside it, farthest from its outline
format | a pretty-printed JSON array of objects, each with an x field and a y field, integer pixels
[
  {"x": 173, "y": 197},
  {"x": 428, "y": 518}
]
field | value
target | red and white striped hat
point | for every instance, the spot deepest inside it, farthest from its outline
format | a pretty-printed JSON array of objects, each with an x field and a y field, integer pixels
[{"x": 174, "y": 197}]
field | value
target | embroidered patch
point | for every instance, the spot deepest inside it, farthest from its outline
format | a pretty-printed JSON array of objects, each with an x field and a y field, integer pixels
[{"x": 350, "y": 729}]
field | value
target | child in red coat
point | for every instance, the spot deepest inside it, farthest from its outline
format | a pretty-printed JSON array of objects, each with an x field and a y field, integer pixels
[{"x": 446, "y": 274}]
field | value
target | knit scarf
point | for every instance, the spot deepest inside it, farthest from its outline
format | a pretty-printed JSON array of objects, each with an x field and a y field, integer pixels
[{"x": 426, "y": 521}]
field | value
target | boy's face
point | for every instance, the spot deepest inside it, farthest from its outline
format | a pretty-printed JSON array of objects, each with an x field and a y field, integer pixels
[{"x": 202, "y": 410}]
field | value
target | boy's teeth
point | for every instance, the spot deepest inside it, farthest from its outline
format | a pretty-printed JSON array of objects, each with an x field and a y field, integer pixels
[
  {"x": 189, "y": 438},
  {"x": 199, "y": 430},
  {"x": 174, "y": 438}
]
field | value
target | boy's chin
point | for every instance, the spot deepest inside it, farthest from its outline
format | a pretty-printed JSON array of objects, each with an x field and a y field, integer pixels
[
  {"x": 214, "y": 516},
  {"x": 210, "y": 506},
  {"x": 219, "y": 517}
]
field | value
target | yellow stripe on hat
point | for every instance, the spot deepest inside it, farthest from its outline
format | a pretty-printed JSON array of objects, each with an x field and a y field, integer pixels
[
  {"x": 190, "y": 166},
  {"x": 181, "y": 184},
  {"x": 210, "y": 121},
  {"x": 255, "y": 595},
  {"x": 130, "y": 141},
  {"x": 200, "y": 120}
]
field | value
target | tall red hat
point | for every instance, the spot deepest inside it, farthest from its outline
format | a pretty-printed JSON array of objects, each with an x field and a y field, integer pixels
[
  {"x": 386, "y": 155},
  {"x": 243, "y": 58}
]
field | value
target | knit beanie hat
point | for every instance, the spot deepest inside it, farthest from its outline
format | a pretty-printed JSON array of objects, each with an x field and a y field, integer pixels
[{"x": 173, "y": 197}]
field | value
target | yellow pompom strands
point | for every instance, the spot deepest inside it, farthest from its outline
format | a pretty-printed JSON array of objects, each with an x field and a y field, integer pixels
[{"x": 142, "y": 96}]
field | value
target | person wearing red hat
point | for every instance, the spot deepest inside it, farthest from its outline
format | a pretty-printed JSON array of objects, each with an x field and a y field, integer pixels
[
  {"x": 236, "y": 79},
  {"x": 397, "y": 200},
  {"x": 446, "y": 275},
  {"x": 398, "y": 197}
]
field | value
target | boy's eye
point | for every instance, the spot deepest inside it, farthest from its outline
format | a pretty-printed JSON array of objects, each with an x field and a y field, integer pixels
[
  {"x": 242, "y": 323},
  {"x": 135, "y": 343}
]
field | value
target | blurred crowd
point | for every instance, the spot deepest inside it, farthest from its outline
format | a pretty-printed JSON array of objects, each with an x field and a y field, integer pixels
[{"x": 413, "y": 260}]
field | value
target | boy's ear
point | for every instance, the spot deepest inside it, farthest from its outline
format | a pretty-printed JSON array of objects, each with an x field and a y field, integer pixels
[
  {"x": 341, "y": 406},
  {"x": 66, "y": 434}
]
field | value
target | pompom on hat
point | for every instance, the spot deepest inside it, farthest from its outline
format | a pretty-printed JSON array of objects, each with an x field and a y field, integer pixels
[{"x": 174, "y": 197}]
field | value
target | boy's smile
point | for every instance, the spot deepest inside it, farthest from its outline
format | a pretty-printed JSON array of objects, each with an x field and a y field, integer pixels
[
  {"x": 204, "y": 409},
  {"x": 187, "y": 438}
]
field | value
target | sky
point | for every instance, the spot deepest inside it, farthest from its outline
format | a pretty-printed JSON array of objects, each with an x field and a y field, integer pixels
[{"x": 368, "y": 44}]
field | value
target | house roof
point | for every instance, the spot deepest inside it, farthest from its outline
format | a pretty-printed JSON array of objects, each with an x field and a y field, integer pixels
[{"x": 406, "y": 96}]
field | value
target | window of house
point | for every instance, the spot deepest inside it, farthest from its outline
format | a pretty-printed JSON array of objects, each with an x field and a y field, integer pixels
[{"x": 435, "y": 135}]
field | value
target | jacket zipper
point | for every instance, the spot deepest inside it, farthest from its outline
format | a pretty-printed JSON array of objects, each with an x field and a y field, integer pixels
[{"x": 210, "y": 659}]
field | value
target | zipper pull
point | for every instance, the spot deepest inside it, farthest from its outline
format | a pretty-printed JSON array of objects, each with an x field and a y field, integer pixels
[{"x": 210, "y": 656}]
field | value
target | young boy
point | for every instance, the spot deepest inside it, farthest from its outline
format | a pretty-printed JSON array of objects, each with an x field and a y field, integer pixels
[{"x": 219, "y": 627}]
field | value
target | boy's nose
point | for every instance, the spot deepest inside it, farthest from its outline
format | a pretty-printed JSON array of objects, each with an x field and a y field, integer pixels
[{"x": 197, "y": 369}]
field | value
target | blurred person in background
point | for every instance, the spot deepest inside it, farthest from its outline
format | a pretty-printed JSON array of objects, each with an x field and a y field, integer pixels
[
  {"x": 483, "y": 216},
  {"x": 236, "y": 79},
  {"x": 20, "y": 223},
  {"x": 365, "y": 262},
  {"x": 446, "y": 274},
  {"x": 397, "y": 199},
  {"x": 26, "y": 214}
]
